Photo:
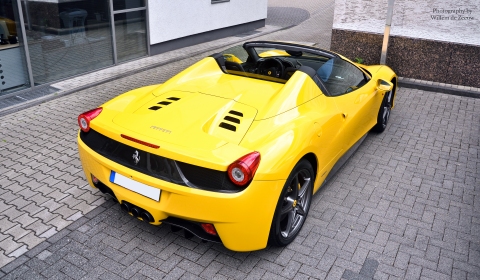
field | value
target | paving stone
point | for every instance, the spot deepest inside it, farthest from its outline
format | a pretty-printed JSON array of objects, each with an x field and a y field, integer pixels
[
  {"x": 86, "y": 208},
  {"x": 5, "y": 224},
  {"x": 18, "y": 252},
  {"x": 31, "y": 240},
  {"x": 12, "y": 213},
  {"x": 14, "y": 264},
  {"x": 25, "y": 220},
  {"x": 151, "y": 272},
  {"x": 37, "y": 249},
  {"x": 44, "y": 254},
  {"x": 73, "y": 272},
  {"x": 17, "y": 232}
]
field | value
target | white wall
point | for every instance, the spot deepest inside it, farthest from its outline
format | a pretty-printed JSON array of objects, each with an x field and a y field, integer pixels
[{"x": 172, "y": 19}]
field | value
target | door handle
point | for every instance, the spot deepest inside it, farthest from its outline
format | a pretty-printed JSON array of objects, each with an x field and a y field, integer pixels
[{"x": 345, "y": 115}]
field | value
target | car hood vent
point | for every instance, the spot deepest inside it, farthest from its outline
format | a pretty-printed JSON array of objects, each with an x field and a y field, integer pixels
[
  {"x": 164, "y": 103},
  {"x": 189, "y": 119},
  {"x": 231, "y": 121}
]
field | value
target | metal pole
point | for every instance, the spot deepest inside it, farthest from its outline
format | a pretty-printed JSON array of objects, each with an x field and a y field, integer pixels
[
  {"x": 25, "y": 44},
  {"x": 386, "y": 35},
  {"x": 27, "y": 12},
  {"x": 147, "y": 27},
  {"x": 112, "y": 26}
]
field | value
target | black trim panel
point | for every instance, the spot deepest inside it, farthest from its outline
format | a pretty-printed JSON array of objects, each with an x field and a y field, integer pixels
[{"x": 159, "y": 167}]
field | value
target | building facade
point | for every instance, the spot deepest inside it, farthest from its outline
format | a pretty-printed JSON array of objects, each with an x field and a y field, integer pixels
[{"x": 43, "y": 41}]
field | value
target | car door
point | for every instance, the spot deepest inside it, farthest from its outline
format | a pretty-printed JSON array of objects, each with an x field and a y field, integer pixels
[{"x": 354, "y": 94}]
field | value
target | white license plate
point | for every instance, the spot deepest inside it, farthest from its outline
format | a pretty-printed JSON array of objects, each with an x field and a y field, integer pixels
[{"x": 135, "y": 186}]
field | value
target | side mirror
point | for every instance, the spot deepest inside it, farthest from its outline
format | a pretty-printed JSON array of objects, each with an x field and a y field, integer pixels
[{"x": 383, "y": 85}]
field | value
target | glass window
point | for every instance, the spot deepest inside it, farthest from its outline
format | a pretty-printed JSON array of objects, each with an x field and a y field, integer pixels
[
  {"x": 67, "y": 38},
  {"x": 13, "y": 69},
  {"x": 130, "y": 35},
  {"x": 127, "y": 4},
  {"x": 340, "y": 76}
]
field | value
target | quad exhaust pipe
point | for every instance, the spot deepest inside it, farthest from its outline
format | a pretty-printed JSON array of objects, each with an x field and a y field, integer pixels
[{"x": 136, "y": 211}]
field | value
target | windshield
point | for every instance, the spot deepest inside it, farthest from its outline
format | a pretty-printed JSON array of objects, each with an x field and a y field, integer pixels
[{"x": 271, "y": 64}]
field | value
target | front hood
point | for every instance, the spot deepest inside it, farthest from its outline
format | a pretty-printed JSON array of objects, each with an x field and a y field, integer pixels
[{"x": 189, "y": 118}]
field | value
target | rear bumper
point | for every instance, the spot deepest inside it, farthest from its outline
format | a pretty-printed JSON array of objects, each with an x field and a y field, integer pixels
[{"x": 242, "y": 220}]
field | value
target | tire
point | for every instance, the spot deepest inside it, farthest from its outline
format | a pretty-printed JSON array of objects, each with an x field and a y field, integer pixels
[
  {"x": 384, "y": 112},
  {"x": 293, "y": 205}
]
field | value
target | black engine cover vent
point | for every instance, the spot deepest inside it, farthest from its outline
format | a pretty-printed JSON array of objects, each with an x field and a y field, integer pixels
[{"x": 228, "y": 126}]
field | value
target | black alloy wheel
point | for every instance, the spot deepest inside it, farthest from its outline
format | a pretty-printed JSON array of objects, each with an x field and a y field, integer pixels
[{"x": 293, "y": 205}]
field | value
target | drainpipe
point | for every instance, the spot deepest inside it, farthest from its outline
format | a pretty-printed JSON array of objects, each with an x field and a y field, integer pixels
[{"x": 386, "y": 34}]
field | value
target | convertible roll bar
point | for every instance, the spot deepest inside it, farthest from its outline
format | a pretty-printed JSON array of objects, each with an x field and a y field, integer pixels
[{"x": 289, "y": 47}]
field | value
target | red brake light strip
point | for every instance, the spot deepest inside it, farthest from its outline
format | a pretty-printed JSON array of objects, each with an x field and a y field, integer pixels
[{"x": 140, "y": 141}]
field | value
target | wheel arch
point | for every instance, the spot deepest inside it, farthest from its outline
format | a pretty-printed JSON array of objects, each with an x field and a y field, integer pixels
[
  {"x": 395, "y": 87},
  {"x": 312, "y": 159}
]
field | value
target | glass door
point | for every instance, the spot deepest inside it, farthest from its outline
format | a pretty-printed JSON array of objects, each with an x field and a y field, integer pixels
[
  {"x": 13, "y": 63},
  {"x": 130, "y": 29},
  {"x": 67, "y": 38}
]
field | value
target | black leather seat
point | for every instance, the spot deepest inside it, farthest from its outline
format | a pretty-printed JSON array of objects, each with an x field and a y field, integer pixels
[{"x": 234, "y": 66}]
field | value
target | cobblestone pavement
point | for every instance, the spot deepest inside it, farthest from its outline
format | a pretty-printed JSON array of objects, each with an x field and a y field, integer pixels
[{"x": 405, "y": 206}]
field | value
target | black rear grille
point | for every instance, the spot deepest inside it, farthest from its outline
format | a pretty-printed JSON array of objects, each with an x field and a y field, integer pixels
[
  {"x": 209, "y": 179},
  {"x": 158, "y": 166}
]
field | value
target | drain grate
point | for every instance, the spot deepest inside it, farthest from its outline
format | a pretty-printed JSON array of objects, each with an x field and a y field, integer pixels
[{"x": 26, "y": 95}]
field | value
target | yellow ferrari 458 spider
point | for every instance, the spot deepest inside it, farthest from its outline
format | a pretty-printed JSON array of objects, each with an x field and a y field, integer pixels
[{"x": 233, "y": 148}]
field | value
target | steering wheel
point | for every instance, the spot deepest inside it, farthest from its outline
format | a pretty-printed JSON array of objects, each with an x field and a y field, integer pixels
[{"x": 271, "y": 67}]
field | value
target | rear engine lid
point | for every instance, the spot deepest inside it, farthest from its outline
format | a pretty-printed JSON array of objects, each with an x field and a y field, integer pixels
[{"x": 189, "y": 119}]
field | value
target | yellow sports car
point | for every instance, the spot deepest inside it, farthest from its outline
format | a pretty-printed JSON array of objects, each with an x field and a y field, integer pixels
[{"x": 232, "y": 149}]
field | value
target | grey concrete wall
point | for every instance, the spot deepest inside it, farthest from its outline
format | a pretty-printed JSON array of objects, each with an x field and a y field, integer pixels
[{"x": 431, "y": 60}]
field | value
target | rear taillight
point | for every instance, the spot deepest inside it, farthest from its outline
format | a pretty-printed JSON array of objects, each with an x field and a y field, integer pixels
[
  {"x": 209, "y": 228},
  {"x": 243, "y": 169},
  {"x": 85, "y": 118},
  {"x": 95, "y": 180}
]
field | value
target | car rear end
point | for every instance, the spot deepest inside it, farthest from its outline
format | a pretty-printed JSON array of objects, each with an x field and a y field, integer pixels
[{"x": 160, "y": 182}]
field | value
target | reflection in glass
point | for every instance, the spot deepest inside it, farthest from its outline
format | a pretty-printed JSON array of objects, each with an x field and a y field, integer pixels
[
  {"x": 130, "y": 35},
  {"x": 67, "y": 38},
  {"x": 127, "y": 4},
  {"x": 13, "y": 69}
]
